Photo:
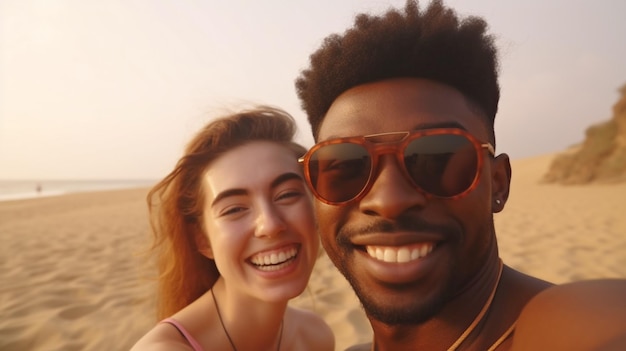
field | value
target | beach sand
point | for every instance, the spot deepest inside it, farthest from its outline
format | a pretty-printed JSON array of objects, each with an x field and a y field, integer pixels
[{"x": 71, "y": 277}]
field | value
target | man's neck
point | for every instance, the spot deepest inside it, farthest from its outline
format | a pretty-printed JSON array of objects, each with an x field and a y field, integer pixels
[{"x": 462, "y": 317}]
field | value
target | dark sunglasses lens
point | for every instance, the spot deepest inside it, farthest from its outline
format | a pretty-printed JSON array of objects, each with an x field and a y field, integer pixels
[
  {"x": 339, "y": 172},
  {"x": 443, "y": 165}
]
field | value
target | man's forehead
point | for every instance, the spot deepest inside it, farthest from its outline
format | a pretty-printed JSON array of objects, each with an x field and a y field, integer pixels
[{"x": 400, "y": 105}]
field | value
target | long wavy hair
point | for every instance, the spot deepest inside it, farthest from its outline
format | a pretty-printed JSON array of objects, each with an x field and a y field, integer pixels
[{"x": 176, "y": 203}]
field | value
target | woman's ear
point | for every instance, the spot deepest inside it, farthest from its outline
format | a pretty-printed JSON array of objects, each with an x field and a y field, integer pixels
[
  {"x": 500, "y": 182},
  {"x": 204, "y": 247}
]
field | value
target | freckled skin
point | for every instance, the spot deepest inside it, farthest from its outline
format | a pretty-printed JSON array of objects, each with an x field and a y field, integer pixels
[{"x": 260, "y": 218}]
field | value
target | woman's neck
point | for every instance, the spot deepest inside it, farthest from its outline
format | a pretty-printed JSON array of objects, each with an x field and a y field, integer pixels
[{"x": 239, "y": 313}]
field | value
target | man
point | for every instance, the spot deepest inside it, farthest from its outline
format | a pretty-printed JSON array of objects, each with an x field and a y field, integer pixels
[{"x": 406, "y": 181}]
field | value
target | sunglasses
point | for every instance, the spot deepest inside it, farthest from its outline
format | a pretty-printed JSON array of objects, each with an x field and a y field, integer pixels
[{"x": 443, "y": 163}]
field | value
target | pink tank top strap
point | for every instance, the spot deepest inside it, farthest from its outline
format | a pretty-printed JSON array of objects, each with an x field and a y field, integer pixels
[{"x": 190, "y": 339}]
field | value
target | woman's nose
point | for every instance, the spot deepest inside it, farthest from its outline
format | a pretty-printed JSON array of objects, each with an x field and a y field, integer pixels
[{"x": 269, "y": 221}]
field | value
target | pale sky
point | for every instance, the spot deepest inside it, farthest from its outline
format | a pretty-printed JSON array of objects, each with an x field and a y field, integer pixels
[{"x": 113, "y": 89}]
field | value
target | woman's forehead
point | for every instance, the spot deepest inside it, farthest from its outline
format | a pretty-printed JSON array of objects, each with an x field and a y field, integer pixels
[{"x": 254, "y": 164}]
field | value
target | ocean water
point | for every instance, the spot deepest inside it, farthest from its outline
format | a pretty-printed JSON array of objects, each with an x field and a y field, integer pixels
[{"x": 26, "y": 189}]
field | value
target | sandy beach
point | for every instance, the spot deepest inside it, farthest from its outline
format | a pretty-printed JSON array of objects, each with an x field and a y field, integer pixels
[{"x": 72, "y": 276}]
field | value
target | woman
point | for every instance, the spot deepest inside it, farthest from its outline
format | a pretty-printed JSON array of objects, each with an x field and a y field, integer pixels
[{"x": 235, "y": 240}]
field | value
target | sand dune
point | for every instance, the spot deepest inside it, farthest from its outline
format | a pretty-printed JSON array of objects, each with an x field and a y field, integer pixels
[
  {"x": 71, "y": 277},
  {"x": 562, "y": 233}
]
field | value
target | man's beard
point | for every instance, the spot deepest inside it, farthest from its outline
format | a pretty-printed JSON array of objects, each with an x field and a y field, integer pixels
[{"x": 394, "y": 313}]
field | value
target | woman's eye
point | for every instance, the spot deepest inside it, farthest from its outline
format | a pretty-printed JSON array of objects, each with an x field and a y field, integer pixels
[
  {"x": 233, "y": 210},
  {"x": 289, "y": 195}
]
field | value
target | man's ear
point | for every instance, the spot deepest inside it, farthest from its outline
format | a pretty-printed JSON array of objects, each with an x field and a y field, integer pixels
[
  {"x": 204, "y": 247},
  {"x": 501, "y": 182}
]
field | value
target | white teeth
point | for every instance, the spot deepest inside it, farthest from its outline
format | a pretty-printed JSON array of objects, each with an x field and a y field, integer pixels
[
  {"x": 404, "y": 255},
  {"x": 390, "y": 255},
  {"x": 415, "y": 254},
  {"x": 399, "y": 254},
  {"x": 274, "y": 260}
]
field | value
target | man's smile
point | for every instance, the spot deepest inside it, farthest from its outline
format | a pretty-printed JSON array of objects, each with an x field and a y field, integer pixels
[{"x": 400, "y": 254}]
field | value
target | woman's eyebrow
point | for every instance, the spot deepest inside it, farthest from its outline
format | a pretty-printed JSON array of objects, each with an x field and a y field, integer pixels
[
  {"x": 284, "y": 178},
  {"x": 227, "y": 193}
]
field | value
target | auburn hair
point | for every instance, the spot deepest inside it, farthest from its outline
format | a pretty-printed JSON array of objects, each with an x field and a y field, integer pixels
[{"x": 176, "y": 203}]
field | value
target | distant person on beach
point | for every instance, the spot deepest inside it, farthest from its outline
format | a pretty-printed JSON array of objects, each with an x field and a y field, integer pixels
[
  {"x": 407, "y": 178},
  {"x": 38, "y": 188},
  {"x": 235, "y": 241}
]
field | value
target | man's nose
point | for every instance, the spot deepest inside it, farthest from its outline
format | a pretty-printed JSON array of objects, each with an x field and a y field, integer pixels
[{"x": 392, "y": 193}]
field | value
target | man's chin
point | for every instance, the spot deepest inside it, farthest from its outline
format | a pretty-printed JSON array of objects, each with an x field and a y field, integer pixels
[
  {"x": 398, "y": 309},
  {"x": 409, "y": 315},
  {"x": 389, "y": 305},
  {"x": 400, "y": 316}
]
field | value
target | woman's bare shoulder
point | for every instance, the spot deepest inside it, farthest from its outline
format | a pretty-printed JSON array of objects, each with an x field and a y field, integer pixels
[
  {"x": 584, "y": 315},
  {"x": 312, "y": 330},
  {"x": 162, "y": 337}
]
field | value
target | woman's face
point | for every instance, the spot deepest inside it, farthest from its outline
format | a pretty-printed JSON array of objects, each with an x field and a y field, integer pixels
[{"x": 259, "y": 221}]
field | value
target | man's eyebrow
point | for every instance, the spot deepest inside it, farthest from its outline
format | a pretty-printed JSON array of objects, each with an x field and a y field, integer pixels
[
  {"x": 435, "y": 125},
  {"x": 240, "y": 191},
  {"x": 447, "y": 124}
]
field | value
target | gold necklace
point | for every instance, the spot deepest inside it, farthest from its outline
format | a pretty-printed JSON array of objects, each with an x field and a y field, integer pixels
[
  {"x": 219, "y": 315},
  {"x": 502, "y": 337},
  {"x": 480, "y": 316}
]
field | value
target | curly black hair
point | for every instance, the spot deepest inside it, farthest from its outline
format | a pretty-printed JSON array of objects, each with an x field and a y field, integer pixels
[{"x": 434, "y": 44}]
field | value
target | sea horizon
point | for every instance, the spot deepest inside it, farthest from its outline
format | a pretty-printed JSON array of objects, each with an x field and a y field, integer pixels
[{"x": 19, "y": 189}]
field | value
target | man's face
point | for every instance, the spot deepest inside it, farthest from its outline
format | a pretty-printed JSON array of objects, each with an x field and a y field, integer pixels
[{"x": 405, "y": 253}]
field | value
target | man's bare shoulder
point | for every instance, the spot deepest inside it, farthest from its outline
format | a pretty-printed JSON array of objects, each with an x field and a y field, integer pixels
[{"x": 584, "y": 315}]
